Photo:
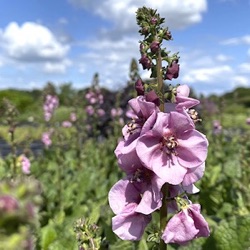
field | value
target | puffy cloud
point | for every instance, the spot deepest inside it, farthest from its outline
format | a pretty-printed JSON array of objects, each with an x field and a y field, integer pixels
[
  {"x": 240, "y": 80},
  {"x": 112, "y": 64},
  {"x": 237, "y": 40},
  {"x": 31, "y": 42},
  {"x": 223, "y": 58},
  {"x": 210, "y": 74},
  {"x": 180, "y": 13},
  {"x": 57, "y": 67},
  {"x": 244, "y": 67}
]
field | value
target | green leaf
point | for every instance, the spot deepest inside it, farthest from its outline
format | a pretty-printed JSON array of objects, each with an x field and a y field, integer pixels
[
  {"x": 232, "y": 234},
  {"x": 48, "y": 236}
]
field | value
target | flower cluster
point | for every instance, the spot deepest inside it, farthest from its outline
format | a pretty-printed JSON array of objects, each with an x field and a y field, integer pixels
[
  {"x": 95, "y": 100},
  {"x": 46, "y": 138},
  {"x": 49, "y": 106},
  {"x": 161, "y": 149}
]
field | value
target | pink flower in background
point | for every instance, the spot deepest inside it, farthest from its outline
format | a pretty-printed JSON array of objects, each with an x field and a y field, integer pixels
[
  {"x": 8, "y": 204},
  {"x": 25, "y": 162},
  {"x": 172, "y": 147},
  {"x": 66, "y": 124},
  {"x": 50, "y": 104},
  {"x": 93, "y": 100},
  {"x": 116, "y": 112},
  {"x": 89, "y": 95},
  {"x": 100, "y": 98},
  {"x": 217, "y": 128},
  {"x": 73, "y": 117},
  {"x": 46, "y": 139},
  {"x": 90, "y": 110},
  {"x": 100, "y": 112},
  {"x": 248, "y": 121},
  {"x": 187, "y": 225}
]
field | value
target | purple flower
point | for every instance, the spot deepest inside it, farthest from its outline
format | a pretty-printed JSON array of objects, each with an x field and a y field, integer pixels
[
  {"x": 172, "y": 147},
  {"x": 182, "y": 99},
  {"x": 185, "y": 226},
  {"x": 172, "y": 71},
  {"x": 143, "y": 118},
  {"x": 146, "y": 183},
  {"x": 124, "y": 200},
  {"x": 129, "y": 225}
]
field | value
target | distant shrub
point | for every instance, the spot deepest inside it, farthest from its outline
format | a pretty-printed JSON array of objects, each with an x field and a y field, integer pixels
[{"x": 21, "y": 99}]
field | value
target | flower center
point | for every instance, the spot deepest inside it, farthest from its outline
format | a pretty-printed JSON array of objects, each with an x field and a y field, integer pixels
[
  {"x": 133, "y": 125},
  {"x": 169, "y": 143},
  {"x": 140, "y": 176}
]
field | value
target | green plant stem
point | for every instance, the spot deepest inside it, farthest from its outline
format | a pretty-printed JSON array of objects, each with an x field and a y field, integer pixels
[
  {"x": 13, "y": 150},
  {"x": 160, "y": 80},
  {"x": 163, "y": 209}
]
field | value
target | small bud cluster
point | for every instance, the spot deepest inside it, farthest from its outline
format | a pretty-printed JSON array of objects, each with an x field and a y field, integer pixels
[
  {"x": 154, "y": 35},
  {"x": 87, "y": 234},
  {"x": 10, "y": 113}
]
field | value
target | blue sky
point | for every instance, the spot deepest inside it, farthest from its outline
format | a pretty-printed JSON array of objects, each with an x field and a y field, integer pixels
[{"x": 70, "y": 40}]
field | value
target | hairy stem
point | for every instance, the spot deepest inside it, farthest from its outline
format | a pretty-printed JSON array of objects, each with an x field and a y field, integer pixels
[
  {"x": 163, "y": 209},
  {"x": 13, "y": 149}
]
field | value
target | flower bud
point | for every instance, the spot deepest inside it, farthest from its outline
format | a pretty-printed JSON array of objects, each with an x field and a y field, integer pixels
[
  {"x": 139, "y": 87},
  {"x": 154, "y": 47},
  {"x": 172, "y": 71},
  {"x": 145, "y": 62},
  {"x": 151, "y": 96},
  {"x": 168, "y": 35}
]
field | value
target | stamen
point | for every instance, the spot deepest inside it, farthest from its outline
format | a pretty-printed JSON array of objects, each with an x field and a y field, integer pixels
[{"x": 169, "y": 143}]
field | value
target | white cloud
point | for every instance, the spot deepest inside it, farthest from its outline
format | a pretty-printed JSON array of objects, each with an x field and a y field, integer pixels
[
  {"x": 111, "y": 59},
  {"x": 237, "y": 40},
  {"x": 31, "y": 42},
  {"x": 244, "y": 67},
  {"x": 240, "y": 80},
  {"x": 223, "y": 58},
  {"x": 57, "y": 67},
  {"x": 210, "y": 74},
  {"x": 179, "y": 13}
]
